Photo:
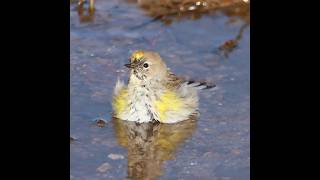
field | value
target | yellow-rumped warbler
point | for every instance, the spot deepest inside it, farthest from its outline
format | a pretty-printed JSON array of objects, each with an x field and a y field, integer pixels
[{"x": 154, "y": 93}]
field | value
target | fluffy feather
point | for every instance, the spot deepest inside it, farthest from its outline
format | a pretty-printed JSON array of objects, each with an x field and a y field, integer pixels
[{"x": 154, "y": 93}]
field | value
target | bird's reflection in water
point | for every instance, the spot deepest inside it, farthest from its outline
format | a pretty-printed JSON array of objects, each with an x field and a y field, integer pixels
[{"x": 150, "y": 144}]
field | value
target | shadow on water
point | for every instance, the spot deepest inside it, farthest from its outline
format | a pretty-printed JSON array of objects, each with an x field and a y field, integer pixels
[{"x": 150, "y": 144}]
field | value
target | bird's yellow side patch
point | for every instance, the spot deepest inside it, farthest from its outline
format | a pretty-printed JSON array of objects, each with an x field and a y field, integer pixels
[
  {"x": 120, "y": 101},
  {"x": 169, "y": 101}
]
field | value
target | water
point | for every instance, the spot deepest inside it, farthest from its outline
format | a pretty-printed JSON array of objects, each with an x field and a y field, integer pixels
[{"x": 207, "y": 44}]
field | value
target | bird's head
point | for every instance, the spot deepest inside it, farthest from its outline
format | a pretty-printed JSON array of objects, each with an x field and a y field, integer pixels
[{"x": 147, "y": 66}]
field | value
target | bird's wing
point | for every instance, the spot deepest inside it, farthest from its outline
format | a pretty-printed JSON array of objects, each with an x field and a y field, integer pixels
[{"x": 175, "y": 82}]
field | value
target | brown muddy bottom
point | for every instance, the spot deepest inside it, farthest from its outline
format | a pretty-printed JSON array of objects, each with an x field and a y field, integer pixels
[{"x": 205, "y": 40}]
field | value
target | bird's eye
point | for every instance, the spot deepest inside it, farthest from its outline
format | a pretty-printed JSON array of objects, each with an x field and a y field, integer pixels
[{"x": 145, "y": 65}]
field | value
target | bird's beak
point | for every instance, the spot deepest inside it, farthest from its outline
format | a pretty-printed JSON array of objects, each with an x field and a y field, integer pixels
[
  {"x": 129, "y": 66},
  {"x": 132, "y": 65}
]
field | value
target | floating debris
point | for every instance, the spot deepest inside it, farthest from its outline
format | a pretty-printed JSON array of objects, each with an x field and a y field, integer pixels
[{"x": 229, "y": 45}]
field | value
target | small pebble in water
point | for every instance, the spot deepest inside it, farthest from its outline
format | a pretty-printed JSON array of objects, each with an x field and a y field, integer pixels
[
  {"x": 115, "y": 156},
  {"x": 72, "y": 139},
  {"x": 101, "y": 123},
  {"x": 104, "y": 167},
  {"x": 120, "y": 70}
]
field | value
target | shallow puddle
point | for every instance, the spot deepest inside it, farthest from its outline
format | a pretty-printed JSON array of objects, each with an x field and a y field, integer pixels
[{"x": 205, "y": 40}]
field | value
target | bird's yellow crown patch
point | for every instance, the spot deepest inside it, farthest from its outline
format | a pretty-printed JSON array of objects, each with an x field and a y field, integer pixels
[{"x": 137, "y": 55}]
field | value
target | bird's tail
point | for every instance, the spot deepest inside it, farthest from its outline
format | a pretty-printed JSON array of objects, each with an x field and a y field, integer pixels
[{"x": 200, "y": 84}]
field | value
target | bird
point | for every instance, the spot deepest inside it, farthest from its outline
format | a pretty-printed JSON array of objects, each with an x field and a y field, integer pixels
[{"x": 153, "y": 93}]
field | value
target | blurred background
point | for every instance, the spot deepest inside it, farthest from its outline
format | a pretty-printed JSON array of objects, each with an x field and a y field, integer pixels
[{"x": 199, "y": 39}]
